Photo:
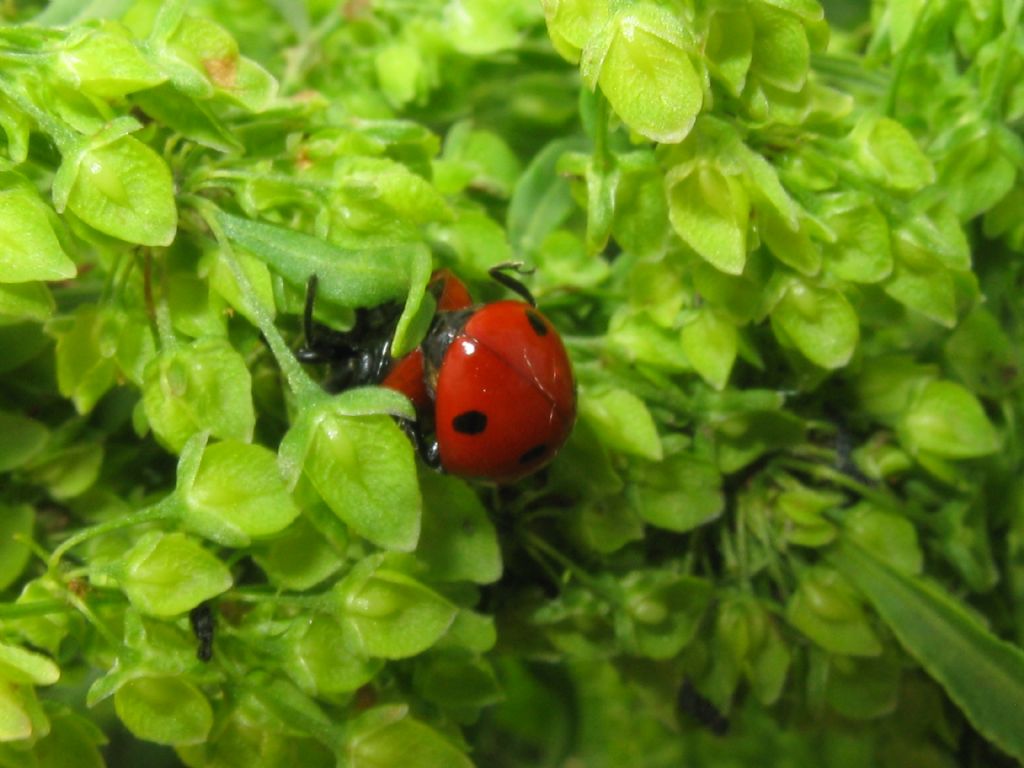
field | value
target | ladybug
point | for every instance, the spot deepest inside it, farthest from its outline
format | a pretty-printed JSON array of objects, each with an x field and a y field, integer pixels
[{"x": 491, "y": 383}]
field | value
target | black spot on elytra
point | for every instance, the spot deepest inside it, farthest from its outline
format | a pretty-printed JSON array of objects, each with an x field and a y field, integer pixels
[
  {"x": 533, "y": 454},
  {"x": 470, "y": 422},
  {"x": 537, "y": 323}
]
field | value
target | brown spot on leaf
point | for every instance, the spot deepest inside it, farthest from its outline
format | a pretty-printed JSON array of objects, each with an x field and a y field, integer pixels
[
  {"x": 355, "y": 9},
  {"x": 223, "y": 72}
]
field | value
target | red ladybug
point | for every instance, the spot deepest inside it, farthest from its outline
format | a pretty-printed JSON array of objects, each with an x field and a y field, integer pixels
[{"x": 491, "y": 382}]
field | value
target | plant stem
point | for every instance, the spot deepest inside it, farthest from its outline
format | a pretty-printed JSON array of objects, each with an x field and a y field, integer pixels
[
  {"x": 164, "y": 509},
  {"x": 578, "y": 573},
  {"x": 35, "y": 608},
  {"x": 301, "y": 385},
  {"x": 93, "y": 619},
  {"x": 993, "y": 100},
  {"x": 903, "y": 59},
  {"x": 160, "y": 311},
  {"x": 63, "y": 136}
]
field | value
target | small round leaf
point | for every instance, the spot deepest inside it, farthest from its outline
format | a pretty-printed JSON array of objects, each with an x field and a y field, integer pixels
[
  {"x": 164, "y": 710},
  {"x": 166, "y": 574},
  {"x": 237, "y": 495},
  {"x": 641, "y": 62}
]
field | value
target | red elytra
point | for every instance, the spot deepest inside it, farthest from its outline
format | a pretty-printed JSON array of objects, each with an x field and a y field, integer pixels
[{"x": 505, "y": 401}]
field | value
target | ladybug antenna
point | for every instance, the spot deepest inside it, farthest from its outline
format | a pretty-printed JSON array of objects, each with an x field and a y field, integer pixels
[{"x": 500, "y": 273}]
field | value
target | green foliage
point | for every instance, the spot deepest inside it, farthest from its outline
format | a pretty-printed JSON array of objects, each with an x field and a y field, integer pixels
[{"x": 783, "y": 246}]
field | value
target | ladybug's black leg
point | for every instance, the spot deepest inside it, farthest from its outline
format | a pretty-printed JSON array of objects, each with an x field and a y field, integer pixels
[
  {"x": 308, "y": 352},
  {"x": 322, "y": 345},
  {"x": 499, "y": 272},
  {"x": 426, "y": 447}
]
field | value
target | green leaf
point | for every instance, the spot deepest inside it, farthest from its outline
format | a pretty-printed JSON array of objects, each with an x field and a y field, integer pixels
[
  {"x": 479, "y": 240},
  {"x": 664, "y": 609},
  {"x": 408, "y": 195},
  {"x": 86, "y": 347},
  {"x": 192, "y": 119},
  {"x": 572, "y": 23},
  {"x": 792, "y": 245},
  {"x": 26, "y": 301},
  {"x": 634, "y": 335},
  {"x": 222, "y": 280},
  {"x": 565, "y": 261},
  {"x": 166, "y": 574},
  {"x": 202, "y": 60},
  {"x": 641, "y": 61},
  {"x": 351, "y": 278},
  {"x": 21, "y": 438},
  {"x": 73, "y": 742},
  {"x": 710, "y": 342},
  {"x": 981, "y": 673},
  {"x": 18, "y": 127},
  {"x": 400, "y": 71},
  {"x": 14, "y": 521},
  {"x": 458, "y": 684},
  {"x": 389, "y": 615},
  {"x": 781, "y": 51},
  {"x": 730, "y": 47},
  {"x": 491, "y": 164},
  {"x": 541, "y": 200},
  {"x": 104, "y": 62},
  {"x": 819, "y": 322},
  {"x": 982, "y": 356},
  {"x": 903, "y": 16},
  {"x": 124, "y": 189},
  {"x": 457, "y": 541},
  {"x": 889, "y": 154},
  {"x": 25, "y": 667},
  {"x": 45, "y": 631},
  {"x": 363, "y": 467},
  {"x": 16, "y": 714},
  {"x": 29, "y": 247},
  {"x": 621, "y": 421},
  {"x": 480, "y": 27},
  {"x": 938, "y": 234},
  {"x": 922, "y": 285},
  {"x": 298, "y": 558},
  {"x": 249, "y": 86},
  {"x": 237, "y": 493},
  {"x": 709, "y": 212},
  {"x": 293, "y": 709},
  {"x": 864, "y": 689},
  {"x": 886, "y": 384},
  {"x": 388, "y": 736},
  {"x": 946, "y": 420},
  {"x": 71, "y": 471},
  {"x": 976, "y": 174},
  {"x": 890, "y": 538},
  {"x": 319, "y": 664},
  {"x": 678, "y": 494},
  {"x": 861, "y": 251},
  {"x": 803, "y": 511},
  {"x": 472, "y": 632},
  {"x": 202, "y": 386},
  {"x": 641, "y": 225},
  {"x": 827, "y": 610},
  {"x": 164, "y": 710}
]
